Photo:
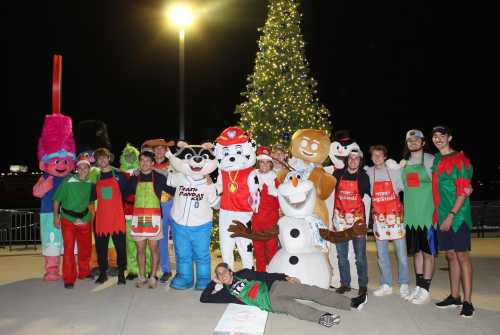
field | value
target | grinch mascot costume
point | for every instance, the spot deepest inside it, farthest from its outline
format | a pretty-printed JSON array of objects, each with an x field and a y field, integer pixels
[
  {"x": 129, "y": 161},
  {"x": 56, "y": 155}
]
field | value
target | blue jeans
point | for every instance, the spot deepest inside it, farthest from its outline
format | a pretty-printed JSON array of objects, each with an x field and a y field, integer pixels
[
  {"x": 384, "y": 261},
  {"x": 163, "y": 243},
  {"x": 359, "y": 245}
]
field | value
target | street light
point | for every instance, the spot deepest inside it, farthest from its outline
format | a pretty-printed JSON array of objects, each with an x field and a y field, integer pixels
[{"x": 181, "y": 16}]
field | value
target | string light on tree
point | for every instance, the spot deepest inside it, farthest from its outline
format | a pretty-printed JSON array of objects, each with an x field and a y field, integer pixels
[{"x": 280, "y": 95}]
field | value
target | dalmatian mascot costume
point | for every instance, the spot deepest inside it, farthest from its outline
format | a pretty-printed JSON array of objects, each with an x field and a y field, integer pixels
[
  {"x": 236, "y": 156},
  {"x": 192, "y": 214}
]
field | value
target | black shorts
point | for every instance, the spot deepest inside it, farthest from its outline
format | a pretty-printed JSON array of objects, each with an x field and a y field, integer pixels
[
  {"x": 451, "y": 240},
  {"x": 417, "y": 239}
]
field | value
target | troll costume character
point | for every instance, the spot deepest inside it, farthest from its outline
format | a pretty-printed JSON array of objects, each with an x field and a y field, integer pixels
[{"x": 56, "y": 156}]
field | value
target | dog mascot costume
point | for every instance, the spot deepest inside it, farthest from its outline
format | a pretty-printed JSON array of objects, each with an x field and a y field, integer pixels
[{"x": 236, "y": 156}]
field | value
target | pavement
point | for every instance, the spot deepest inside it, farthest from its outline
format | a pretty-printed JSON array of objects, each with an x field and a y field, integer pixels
[{"x": 30, "y": 306}]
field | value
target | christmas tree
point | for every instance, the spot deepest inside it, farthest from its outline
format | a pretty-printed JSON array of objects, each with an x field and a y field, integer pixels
[{"x": 281, "y": 96}]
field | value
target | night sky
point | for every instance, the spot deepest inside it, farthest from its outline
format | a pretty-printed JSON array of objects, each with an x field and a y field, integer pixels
[{"x": 382, "y": 68}]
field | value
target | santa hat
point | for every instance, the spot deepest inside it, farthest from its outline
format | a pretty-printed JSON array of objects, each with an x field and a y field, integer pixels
[
  {"x": 232, "y": 135},
  {"x": 263, "y": 153},
  {"x": 83, "y": 159}
]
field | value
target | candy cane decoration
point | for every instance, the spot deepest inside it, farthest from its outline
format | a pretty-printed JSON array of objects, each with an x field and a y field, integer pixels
[{"x": 56, "y": 84}]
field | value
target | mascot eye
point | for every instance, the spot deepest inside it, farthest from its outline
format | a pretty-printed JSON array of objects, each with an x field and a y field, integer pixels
[
  {"x": 299, "y": 177},
  {"x": 238, "y": 152},
  {"x": 188, "y": 156},
  {"x": 303, "y": 143},
  {"x": 205, "y": 156},
  {"x": 314, "y": 146},
  {"x": 226, "y": 153},
  {"x": 57, "y": 161},
  {"x": 65, "y": 162}
]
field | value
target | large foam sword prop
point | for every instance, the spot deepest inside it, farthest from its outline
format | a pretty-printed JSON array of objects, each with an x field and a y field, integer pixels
[{"x": 56, "y": 84}]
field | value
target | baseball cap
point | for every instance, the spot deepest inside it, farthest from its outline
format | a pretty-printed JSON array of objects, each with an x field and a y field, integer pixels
[
  {"x": 441, "y": 129},
  {"x": 414, "y": 132},
  {"x": 356, "y": 151}
]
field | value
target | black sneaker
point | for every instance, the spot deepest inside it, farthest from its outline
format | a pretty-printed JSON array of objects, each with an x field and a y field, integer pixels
[
  {"x": 449, "y": 302},
  {"x": 343, "y": 289},
  {"x": 102, "y": 278},
  {"x": 467, "y": 310},
  {"x": 359, "y": 302},
  {"x": 121, "y": 279},
  {"x": 113, "y": 271},
  {"x": 70, "y": 286},
  {"x": 329, "y": 320},
  {"x": 165, "y": 277},
  {"x": 131, "y": 276},
  {"x": 362, "y": 290}
]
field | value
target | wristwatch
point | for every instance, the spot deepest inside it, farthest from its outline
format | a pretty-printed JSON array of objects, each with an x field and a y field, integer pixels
[{"x": 453, "y": 213}]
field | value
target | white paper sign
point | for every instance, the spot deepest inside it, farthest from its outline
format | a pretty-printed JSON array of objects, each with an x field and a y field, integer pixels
[{"x": 241, "y": 320}]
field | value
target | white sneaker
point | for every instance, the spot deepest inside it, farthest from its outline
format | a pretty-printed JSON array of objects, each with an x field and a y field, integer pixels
[
  {"x": 423, "y": 297},
  {"x": 404, "y": 290},
  {"x": 413, "y": 294},
  {"x": 383, "y": 291}
]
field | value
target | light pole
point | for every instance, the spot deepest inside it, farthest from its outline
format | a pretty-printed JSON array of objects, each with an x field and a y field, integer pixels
[{"x": 182, "y": 16}]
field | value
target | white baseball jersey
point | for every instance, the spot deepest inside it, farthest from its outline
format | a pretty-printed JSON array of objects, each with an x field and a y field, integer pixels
[{"x": 193, "y": 200}]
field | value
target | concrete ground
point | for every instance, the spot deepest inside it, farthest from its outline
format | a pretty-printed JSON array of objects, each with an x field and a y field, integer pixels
[{"x": 30, "y": 306}]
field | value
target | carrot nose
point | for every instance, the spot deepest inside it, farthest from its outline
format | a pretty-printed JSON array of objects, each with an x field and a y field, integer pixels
[{"x": 295, "y": 181}]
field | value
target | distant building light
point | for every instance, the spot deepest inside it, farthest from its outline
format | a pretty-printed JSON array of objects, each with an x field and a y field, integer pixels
[{"x": 18, "y": 168}]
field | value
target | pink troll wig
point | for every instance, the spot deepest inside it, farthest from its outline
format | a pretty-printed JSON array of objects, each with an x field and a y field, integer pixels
[{"x": 57, "y": 138}]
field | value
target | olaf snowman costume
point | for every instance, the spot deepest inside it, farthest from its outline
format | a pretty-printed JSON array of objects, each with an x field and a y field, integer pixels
[
  {"x": 300, "y": 255},
  {"x": 236, "y": 157}
]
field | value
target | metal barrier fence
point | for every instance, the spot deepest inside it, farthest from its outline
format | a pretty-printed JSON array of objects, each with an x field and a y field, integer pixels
[
  {"x": 19, "y": 226},
  {"x": 22, "y": 226}
]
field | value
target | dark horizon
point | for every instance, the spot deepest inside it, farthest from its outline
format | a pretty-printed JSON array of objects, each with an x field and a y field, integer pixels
[{"x": 382, "y": 68}]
